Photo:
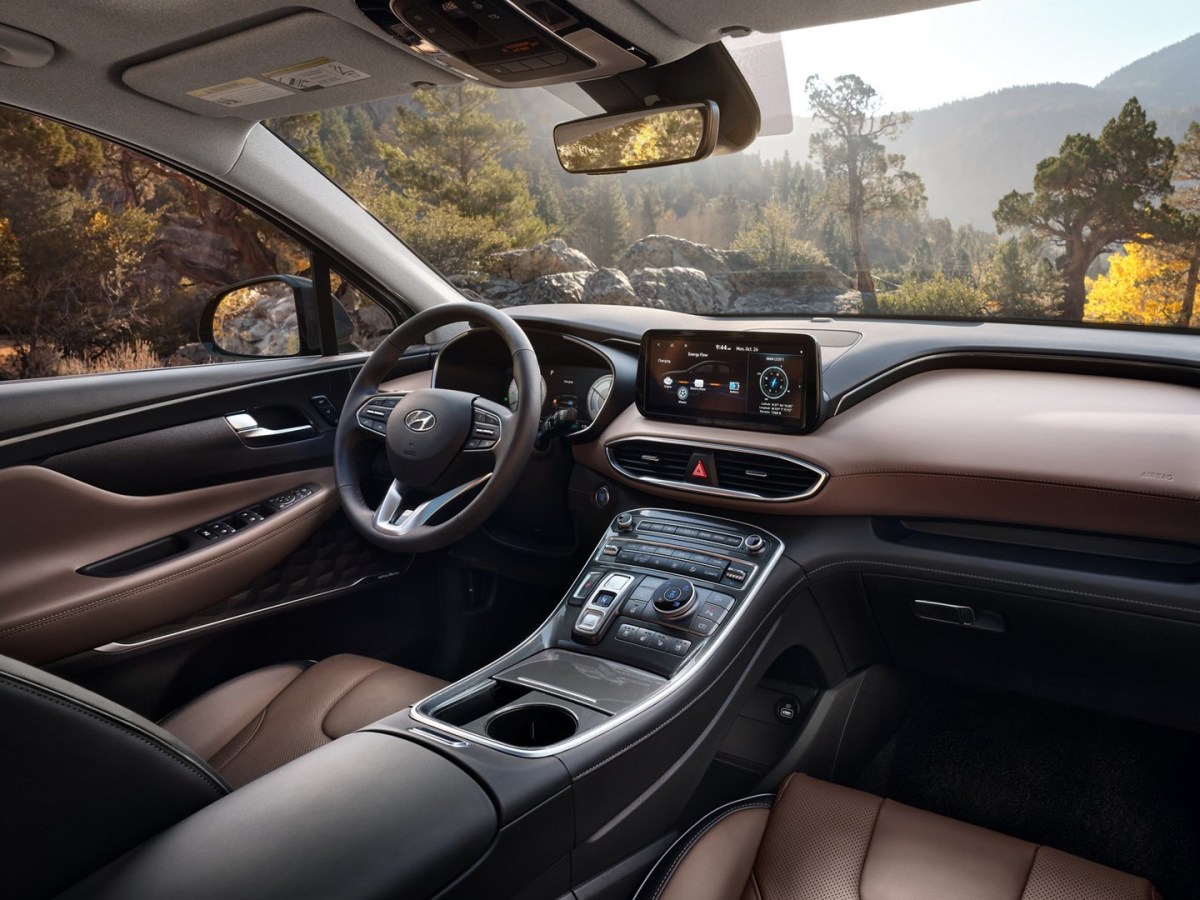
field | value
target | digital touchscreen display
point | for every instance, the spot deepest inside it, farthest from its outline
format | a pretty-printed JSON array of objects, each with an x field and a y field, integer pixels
[{"x": 739, "y": 379}]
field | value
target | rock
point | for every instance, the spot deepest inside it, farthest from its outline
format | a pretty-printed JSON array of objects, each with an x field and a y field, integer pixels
[
  {"x": 811, "y": 290},
  {"x": 561, "y": 287},
  {"x": 194, "y": 355},
  {"x": 663, "y": 251},
  {"x": 610, "y": 286},
  {"x": 679, "y": 288},
  {"x": 549, "y": 258}
]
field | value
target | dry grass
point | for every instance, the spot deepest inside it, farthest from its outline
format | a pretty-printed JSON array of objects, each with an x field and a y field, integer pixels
[{"x": 46, "y": 361}]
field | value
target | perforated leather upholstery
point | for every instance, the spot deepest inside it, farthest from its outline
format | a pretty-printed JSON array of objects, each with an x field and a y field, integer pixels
[{"x": 825, "y": 842}]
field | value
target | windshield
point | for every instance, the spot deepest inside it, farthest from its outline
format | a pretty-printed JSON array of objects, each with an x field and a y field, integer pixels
[{"x": 1004, "y": 159}]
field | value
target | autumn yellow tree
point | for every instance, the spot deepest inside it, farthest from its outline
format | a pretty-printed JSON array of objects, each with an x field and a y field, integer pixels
[{"x": 1144, "y": 285}]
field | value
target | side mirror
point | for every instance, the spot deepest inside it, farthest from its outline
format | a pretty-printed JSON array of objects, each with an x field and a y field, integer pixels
[
  {"x": 271, "y": 316},
  {"x": 618, "y": 142}
]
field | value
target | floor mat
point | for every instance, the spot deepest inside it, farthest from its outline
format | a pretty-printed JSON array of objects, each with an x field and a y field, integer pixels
[{"x": 1115, "y": 791}]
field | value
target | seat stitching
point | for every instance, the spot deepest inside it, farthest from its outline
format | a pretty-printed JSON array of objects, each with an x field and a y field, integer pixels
[
  {"x": 160, "y": 582},
  {"x": 257, "y": 725},
  {"x": 682, "y": 854},
  {"x": 342, "y": 696},
  {"x": 212, "y": 690},
  {"x": 149, "y": 740},
  {"x": 1028, "y": 874},
  {"x": 754, "y": 883},
  {"x": 870, "y": 840}
]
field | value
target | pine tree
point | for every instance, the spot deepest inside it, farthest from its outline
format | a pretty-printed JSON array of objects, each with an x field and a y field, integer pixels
[{"x": 1096, "y": 193}]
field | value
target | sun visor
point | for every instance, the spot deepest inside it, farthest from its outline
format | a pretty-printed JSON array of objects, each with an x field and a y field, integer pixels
[{"x": 306, "y": 62}]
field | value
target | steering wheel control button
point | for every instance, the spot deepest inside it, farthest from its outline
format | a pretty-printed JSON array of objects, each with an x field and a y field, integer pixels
[
  {"x": 674, "y": 598},
  {"x": 485, "y": 430}
]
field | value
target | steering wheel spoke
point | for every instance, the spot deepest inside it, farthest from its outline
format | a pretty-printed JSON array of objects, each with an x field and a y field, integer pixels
[
  {"x": 394, "y": 518},
  {"x": 372, "y": 415}
]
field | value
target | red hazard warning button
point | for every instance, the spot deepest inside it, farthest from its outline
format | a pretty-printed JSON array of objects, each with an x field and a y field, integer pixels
[{"x": 700, "y": 469}]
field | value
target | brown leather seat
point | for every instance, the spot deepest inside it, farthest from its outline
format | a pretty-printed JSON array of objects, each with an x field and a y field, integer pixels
[
  {"x": 246, "y": 727},
  {"x": 819, "y": 841}
]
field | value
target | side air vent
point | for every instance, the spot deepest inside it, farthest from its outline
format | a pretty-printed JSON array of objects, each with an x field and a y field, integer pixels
[{"x": 723, "y": 470}]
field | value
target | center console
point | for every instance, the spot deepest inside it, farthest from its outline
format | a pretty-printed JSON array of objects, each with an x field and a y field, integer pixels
[{"x": 655, "y": 599}]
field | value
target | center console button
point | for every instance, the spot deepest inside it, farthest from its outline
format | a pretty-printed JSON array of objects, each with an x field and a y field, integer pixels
[
  {"x": 588, "y": 622},
  {"x": 722, "y": 600},
  {"x": 635, "y": 607},
  {"x": 626, "y": 632},
  {"x": 703, "y": 627},
  {"x": 678, "y": 646},
  {"x": 674, "y": 598},
  {"x": 712, "y": 611},
  {"x": 590, "y": 580}
]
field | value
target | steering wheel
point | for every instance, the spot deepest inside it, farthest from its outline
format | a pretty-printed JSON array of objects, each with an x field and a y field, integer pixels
[{"x": 442, "y": 445}]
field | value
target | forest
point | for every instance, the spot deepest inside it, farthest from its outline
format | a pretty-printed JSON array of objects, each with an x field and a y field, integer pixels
[{"x": 106, "y": 256}]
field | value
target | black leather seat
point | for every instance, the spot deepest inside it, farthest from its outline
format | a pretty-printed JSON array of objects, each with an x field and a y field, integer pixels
[
  {"x": 819, "y": 840},
  {"x": 84, "y": 780}
]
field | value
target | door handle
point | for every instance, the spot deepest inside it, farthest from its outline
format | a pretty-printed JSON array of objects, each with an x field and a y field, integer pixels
[{"x": 247, "y": 428}]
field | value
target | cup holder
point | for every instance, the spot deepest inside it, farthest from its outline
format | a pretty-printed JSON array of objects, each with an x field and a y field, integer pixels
[{"x": 533, "y": 725}]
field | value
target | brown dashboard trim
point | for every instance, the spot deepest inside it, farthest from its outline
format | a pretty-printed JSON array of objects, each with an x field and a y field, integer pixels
[{"x": 1054, "y": 449}]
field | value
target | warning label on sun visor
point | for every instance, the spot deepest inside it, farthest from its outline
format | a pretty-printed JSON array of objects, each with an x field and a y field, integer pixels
[
  {"x": 315, "y": 74},
  {"x": 242, "y": 92}
]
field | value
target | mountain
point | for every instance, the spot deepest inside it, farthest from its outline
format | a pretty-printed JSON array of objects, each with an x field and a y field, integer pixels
[
  {"x": 971, "y": 153},
  {"x": 1165, "y": 78}
]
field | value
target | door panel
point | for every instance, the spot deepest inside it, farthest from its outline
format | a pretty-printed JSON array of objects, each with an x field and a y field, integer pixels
[
  {"x": 50, "y": 609},
  {"x": 105, "y": 500}
]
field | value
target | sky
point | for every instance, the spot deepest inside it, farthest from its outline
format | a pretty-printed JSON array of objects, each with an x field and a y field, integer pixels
[{"x": 920, "y": 60}]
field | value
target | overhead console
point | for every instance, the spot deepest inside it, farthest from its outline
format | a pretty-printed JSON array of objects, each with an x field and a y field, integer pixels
[
  {"x": 757, "y": 381},
  {"x": 507, "y": 42}
]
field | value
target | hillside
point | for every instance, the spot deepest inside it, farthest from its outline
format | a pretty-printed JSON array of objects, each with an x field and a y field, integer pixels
[{"x": 972, "y": 152}]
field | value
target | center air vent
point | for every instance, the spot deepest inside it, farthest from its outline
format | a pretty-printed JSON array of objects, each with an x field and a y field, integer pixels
[{"x": 723, "y": 470}]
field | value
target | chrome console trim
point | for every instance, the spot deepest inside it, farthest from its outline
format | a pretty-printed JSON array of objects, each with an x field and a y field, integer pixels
[{"x": 423, "y": 711}]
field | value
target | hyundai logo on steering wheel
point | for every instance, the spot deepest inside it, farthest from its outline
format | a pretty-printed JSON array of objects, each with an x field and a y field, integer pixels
[{"x": 420, "y": 420}]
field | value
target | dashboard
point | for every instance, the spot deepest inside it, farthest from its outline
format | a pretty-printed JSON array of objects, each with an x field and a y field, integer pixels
[{"x": 1035, "y": 425}]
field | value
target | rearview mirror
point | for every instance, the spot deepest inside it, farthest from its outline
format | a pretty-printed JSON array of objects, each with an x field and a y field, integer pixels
[{"x": 618, "y": 142}]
